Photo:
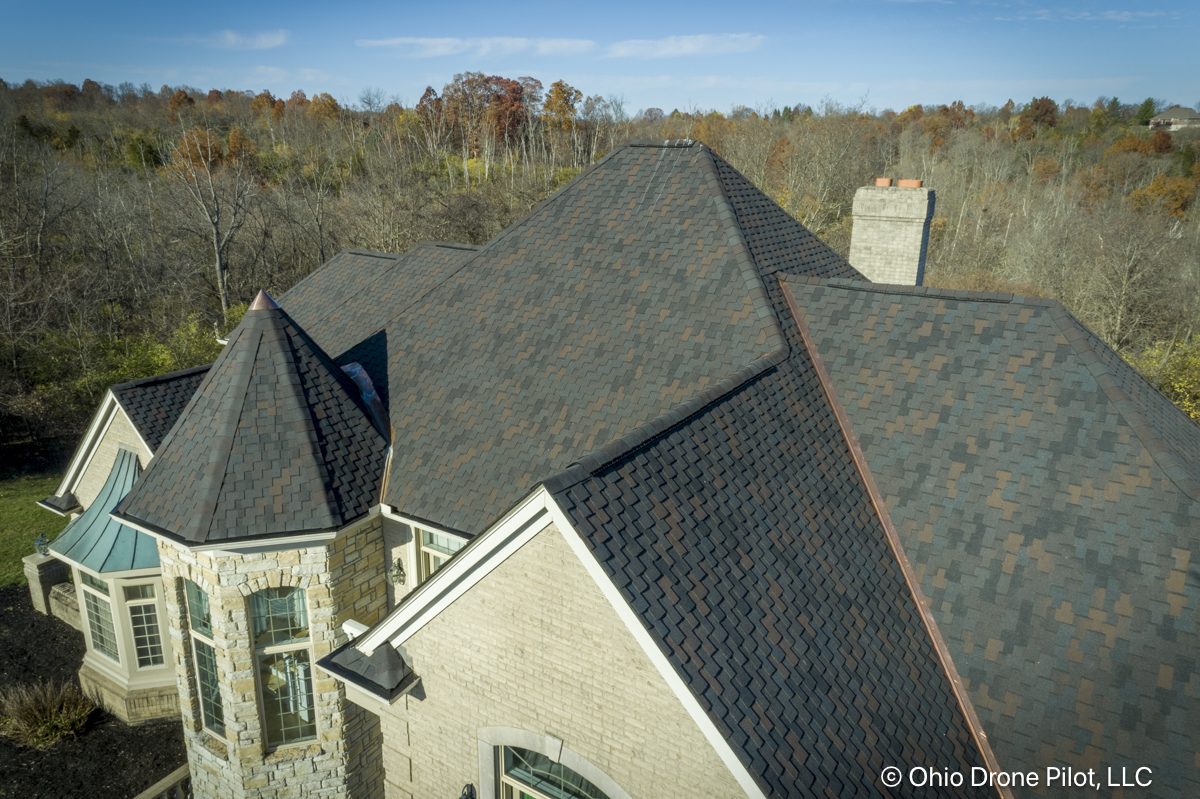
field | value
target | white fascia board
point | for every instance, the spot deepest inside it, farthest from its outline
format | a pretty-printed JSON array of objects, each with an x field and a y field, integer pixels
[
  {"x": 87, "y": 446},
  {"x": 257, "y": 546},
  {"x": 634, "y": 623},
  {"x": 389, "y": 513},
  {"x": 484, "y": 553}
]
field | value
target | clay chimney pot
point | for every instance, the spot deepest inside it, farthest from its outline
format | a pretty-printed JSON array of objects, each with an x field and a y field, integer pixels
[
  {"x": 883, "y": 182},
  {"x": 909, "y": 184}
]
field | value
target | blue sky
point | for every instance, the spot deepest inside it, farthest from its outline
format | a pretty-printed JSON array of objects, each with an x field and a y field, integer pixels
[{"x": 696, "y": 55}]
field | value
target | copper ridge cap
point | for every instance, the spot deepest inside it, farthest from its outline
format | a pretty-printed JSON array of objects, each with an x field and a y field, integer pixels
[
  {"x": 957, "y": 689},
  {"x": 264, "y": 302}
]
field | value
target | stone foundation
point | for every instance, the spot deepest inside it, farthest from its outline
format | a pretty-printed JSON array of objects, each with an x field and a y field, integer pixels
[{"x": 130, "y": 705}]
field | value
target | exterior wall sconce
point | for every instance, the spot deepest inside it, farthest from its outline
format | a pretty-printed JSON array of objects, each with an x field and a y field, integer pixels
[{"x": 396, "y": 574}]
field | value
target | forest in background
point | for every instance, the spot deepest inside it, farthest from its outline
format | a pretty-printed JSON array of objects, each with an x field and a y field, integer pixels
[{"x": 135, "y": 224}]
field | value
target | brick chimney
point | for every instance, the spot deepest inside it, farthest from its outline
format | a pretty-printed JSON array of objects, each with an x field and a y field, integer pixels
[{"x": 891, "y": 231}]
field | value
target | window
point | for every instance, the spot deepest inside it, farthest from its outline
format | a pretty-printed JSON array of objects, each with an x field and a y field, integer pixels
[
  {"x": 99, "y": 616},
  {"x": 526, "y": 774},
  {"x": 436, "y": 549},
  {"x": 205, "y": 658},
  {"x": 143, "y": 617},
  {"x": 279, "y": 627}
]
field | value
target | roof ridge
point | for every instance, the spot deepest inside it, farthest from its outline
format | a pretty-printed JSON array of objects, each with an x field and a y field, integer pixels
[
  {"x": 160, "y": 378},
  {"x": 1076, "y": 334},
  {"x": 752, "y": 274},
  {"x": 877, "y": 501},
  {"x": 482, "y": 250},
  {"x": 648, "y": 432},
  {"x": 225, "y": 426},
  {"x": 384, "y": 255},
  {"x": 930, "y": 291}
]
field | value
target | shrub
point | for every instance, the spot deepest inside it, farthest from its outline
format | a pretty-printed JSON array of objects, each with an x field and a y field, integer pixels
[{"x": 39, "y": 716}]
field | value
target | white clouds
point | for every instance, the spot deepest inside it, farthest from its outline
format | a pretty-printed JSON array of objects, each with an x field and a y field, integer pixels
[
  {"x": 670, "y": 47},
  {"x": 417, "y": 47},
  {"x": 1050, "y": 15},
  {"x": 1116, "y": 16},
  {"x": 231, "y": 40},
  {"x": 675, "y": 46}
]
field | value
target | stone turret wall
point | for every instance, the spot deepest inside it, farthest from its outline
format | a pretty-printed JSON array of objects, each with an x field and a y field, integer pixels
[{"x": 342, "y": 579}]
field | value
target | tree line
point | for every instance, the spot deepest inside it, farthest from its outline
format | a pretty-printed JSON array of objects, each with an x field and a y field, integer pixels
[{"x": 135, "y": 224}]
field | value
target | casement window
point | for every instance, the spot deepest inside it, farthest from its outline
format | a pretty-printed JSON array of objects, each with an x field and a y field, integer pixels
[
  {"x": 98, "y": 609},
  {"x": 436, "y": 549},
  {"x": 204, "y": 659},
  {"x": 525, "y": 774},
  {"x": 143, "y": 619},
  {"x": 279, "y": 628}
]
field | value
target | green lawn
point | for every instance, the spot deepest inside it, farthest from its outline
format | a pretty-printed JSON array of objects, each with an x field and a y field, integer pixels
[{"x": 21, "y": 521}]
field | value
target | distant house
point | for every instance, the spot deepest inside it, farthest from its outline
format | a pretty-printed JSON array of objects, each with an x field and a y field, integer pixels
[
  {"x": 1175, "y": 118},
  {"x": 653, "y": 495}
]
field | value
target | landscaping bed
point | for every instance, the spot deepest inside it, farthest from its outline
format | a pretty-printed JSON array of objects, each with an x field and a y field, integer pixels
[{"x": 109, "y": 759}]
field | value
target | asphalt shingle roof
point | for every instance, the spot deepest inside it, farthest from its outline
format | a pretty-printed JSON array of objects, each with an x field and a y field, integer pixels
[
  {"x": 1046, "y": 494},
  {"x": 153, "y": 404},
  {"x": 277, "y": 439},
  {"x": 746, "y": 540},
  {"x": 630, "y": 290}
]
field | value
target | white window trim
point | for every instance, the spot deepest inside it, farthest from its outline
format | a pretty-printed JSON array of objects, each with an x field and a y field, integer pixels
[
  {"x": 84, "y": 588},
  {"x": 130, "y": 604},
  {"x": 490, "y": 739},
  {"x": 419, "y": 544}
]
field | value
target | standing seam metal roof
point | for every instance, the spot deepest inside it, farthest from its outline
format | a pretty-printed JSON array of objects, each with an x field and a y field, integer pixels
[{"x": 101, "y": 544}]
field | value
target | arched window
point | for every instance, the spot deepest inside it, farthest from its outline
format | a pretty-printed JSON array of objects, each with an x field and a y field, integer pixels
[
  {"x": 279, "y": 629},
  {"x": 204, "y": 658},
  {"x": 526, "y": 774}
]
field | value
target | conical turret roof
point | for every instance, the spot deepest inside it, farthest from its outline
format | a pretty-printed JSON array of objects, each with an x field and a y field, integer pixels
[{"x": 278, "y": 439}]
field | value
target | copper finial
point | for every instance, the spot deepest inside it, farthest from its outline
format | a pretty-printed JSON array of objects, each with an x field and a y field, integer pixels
[{"x": 264, "y": 302}]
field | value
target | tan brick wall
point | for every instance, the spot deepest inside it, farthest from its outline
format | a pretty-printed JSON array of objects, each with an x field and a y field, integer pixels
[
  {"x": 342, "y": 580},
  {"x": 535, "y": 646},
  {"x": 120, "y": 434}
]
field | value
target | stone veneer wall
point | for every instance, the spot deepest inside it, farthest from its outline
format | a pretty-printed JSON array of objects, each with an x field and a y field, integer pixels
[
  {"x": 120, "y": 433},
  {"x": 343, "y": 580},
  {"x": 891, "y": 233},
  {"x": 535, "y": 646}
]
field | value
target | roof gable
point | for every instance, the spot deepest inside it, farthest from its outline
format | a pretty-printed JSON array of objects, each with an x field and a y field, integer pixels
[
  {"x": 277, "y": 439},
  {"x": 153, "y": 404}
]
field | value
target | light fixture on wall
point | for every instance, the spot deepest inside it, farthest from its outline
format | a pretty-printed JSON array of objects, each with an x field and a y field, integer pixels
[{"x": 396, "y": 574}]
